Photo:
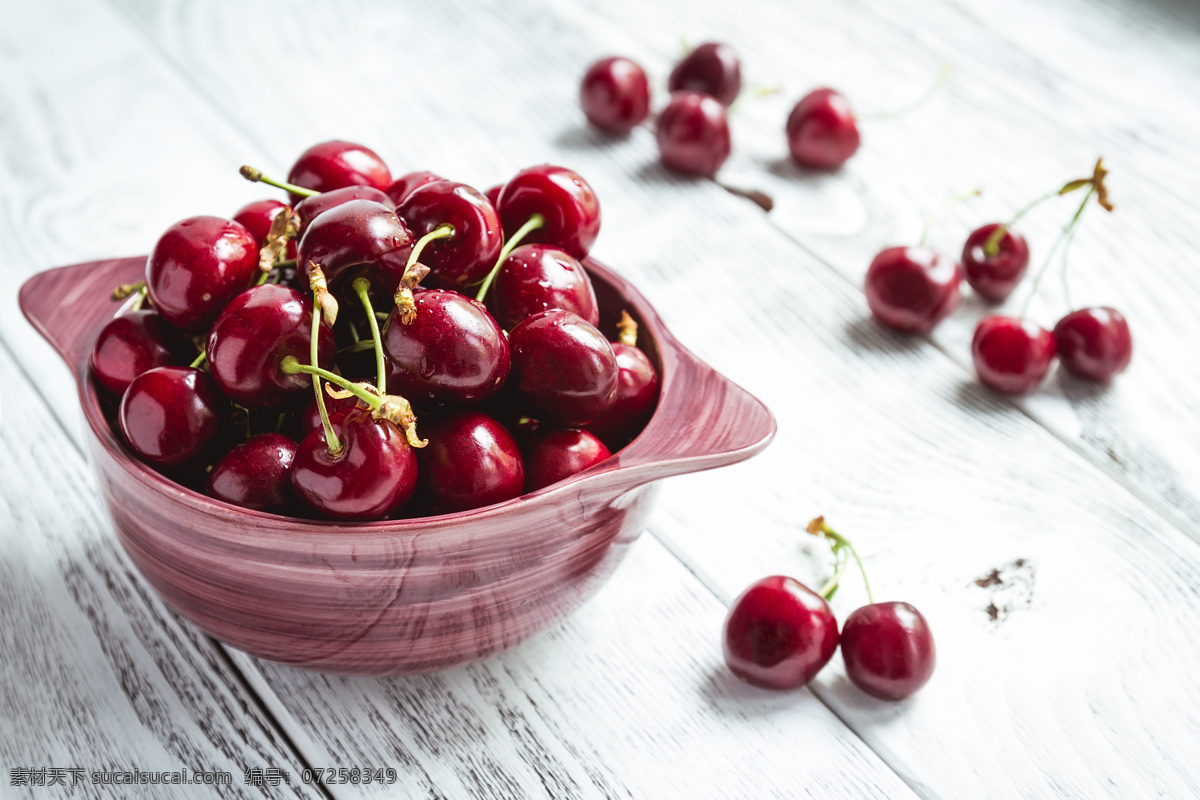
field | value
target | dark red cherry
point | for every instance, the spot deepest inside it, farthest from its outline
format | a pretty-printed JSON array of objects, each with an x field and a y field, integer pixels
[
  {"x": 358, "y": 236},
  {"x": 888, "y": 650},
  {"x": 464, "y": 258},
  {"x": 254, "y": 474},
  {"x": 452, "y": 352},
  {"x": 562, "y": 197},
  {"x": 615, "y": 95},
  {"x": 693, "y": 134},
  {"x": 471, "y": 461},
  {"x": 637, "y": 394},
  {"x": 779, "y": 634},
  {"x": 336, "y": 164},
  {"x": 821, "y": 130},
  {"x": 256, "y": 331},
  {"x": 564, "y": 367},
  {"x": 555, "y": 454},
  {"x": 912, "y": 288},
  {"x": 310, "y": 208},
  {"x": 536, "y": 277},
  {"x": 493, "y": 195},
  {"x": 257, "y": 217},
  {"x": 197, "y": 267},
  {"x": 994, "y": 276},
  {"x": 510, "y": 408},
  {"x": 372, "y": 476},
  {"x": 1094, "y": 343},
  {"x": 170, "y": 415},
  {"x": 712, "y": 69},
  {"x": 405, "y": 185},
  {"x": 1011, "y": 355},
  {"x": 134, "y": 343}
]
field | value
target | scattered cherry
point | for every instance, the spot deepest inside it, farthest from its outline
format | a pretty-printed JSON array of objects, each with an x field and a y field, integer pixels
[
  {"x": 912, "y": 288},
  {"x": 888, "y": 650},
  {"x": 134, "y": 343},
  {"x": 564, "y": 367},
  {"x": 615, "y": 95},
  {"x": 555, "y": 454},
  {"x": 402, "y": 187},
  {"x": 198, "y": 266},
  {"x": 1012, "y": 355},
  {"x": 693, "y": 134},
  {"x": 566, "y": 202},
  {"x": 712, "y": 69},
  {"x": 471, "y": 461},
  {"x": 994, "y": 271},
  {"x": 254, "y": 474},
  {"x": 1094, "y": 343},
  {"x": 536, "y": 277},
  {"x": 821, "y": 130},
  {"x": 336, "y": 164},
  {"x": 170, "y": 415}
]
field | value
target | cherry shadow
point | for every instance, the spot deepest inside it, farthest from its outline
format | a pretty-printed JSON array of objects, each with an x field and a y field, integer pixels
[
  {"x": 974, "y": 396},
  {"x": 866, "y": 335},
  {"x": 587, "y": 137},
  {"x": 1080, "y": 390}
]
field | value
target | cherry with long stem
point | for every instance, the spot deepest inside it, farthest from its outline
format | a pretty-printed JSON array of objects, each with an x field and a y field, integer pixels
[
  {"x": 255, "y": 175},
  {"x": 840, "y": 546},
  {"x": 362, "y": 288},
  {"x": 896, "y": 113},
  {"x": 532, "y": 224}
]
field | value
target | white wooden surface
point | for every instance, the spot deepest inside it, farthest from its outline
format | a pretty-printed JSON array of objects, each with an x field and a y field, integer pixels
[{"x": 117, "y": 119}]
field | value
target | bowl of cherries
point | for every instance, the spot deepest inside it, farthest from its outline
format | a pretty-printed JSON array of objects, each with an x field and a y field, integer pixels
[{"x": 383, "y": 426}]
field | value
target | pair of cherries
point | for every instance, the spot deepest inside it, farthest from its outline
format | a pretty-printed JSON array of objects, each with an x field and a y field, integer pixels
[{"x": 779, "y": 634}]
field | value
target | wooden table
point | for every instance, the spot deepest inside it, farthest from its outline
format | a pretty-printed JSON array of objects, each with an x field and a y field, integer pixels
[{"x": 1071, "y": 674}]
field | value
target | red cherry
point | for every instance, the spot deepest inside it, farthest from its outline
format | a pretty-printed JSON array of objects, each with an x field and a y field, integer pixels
[
  {"x": 821, "y": 130},
  {"x": 197, "y": 267},
  {"x": 995, "y": 276},
  {"x": 1011, "y": 355},
  {"x": 637, "y": 394},
  {"x": 693, "y": 134},
  {"x": 464, "y": 258},
  {"x": 471, "y": 461},
  {"x": 402, "y": 187},
  {"x": 493, "y": 195},
  {"x": 555, "y": 454},
  {"x": 912, "y": 288},
  {"x": 134, "y": 343},
  {"x": 336, "y": 164},
  {"x": 712, "y": 69},
  {"x": 1094, "y": 343},
  {"x": 888, "y": 650},
  {"x": 536, "y": 277},
  {"x": 566, "y": 201},
  {"x": 779, "y": 634},
  {"x": 615, "y": 95},
  {"x": 310, "y": 208},
  {"x": 359, "y": 236},
  {"x": 564, "y": 367},
  {"x": 254, "y": 474},
  {"x": 170, "y": 415},
  {"x": 257, "y": 217}
]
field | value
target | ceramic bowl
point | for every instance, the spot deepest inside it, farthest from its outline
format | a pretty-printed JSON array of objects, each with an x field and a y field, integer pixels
[{"x": 395, "y": 597}]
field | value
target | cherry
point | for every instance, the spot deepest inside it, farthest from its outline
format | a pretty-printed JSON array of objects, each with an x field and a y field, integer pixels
[
  {"x": 402, "y": 187},
  {"x": 912, "y": 288},
  {"x": 452, "y": 351},
  {"x": 566, "y": 202},
  {"x": 555, "y": 454},
  {"x": 1011, "y": 355},
  {"x": 257, "y": 217},
  {"x": 693, "y": 134},
  {"x": 779, "y": 634},
  {"x": 564, "y": 367},
  {"x": 510, "y": 408},
  {"x": 170, "y": 415},
  {"x": 198, "y": 266},
  {"x": 615, "y": 95},
  {"x": 252, "y": 336},
  {"x": 637, "y": 391},
  {"x": 357, "y": 236},
  {"x": 254, "y": 474},
  {"x": 1094, "y": 343},
  {"x": 888, "y": 650},
  {"x": 471, "y": 462},
  {"x": 536, "y": 277},
  {"x": 712, "y": 69},
  {"x": 336, "y": 164},
  {"x": 821, "y": 130},
  {"x": 134, "y": 343},
  {"x": 310, "y": 208},
  {"x": 493, "y": 195},
  {"x": 994, "y": 266},
  {"x": 464, "y": 257}
]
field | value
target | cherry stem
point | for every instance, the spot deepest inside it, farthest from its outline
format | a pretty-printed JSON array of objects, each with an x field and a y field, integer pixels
[
  {"x": 932, "y": 219},
  {"x": 992, "y": 246},
  {"x": 534, "y": 222},
  {"x": 443, "y": 231},
  {"x": 938, "y": 82},
  {"x": 840, "y": 545},
  {"x": 362, "y": 288},
  {"x": 139, "y": 300},
  {"x": 200, "y": 361},
  {"x": 126, "y": 289},
  {"x": 291, "y": 365},
  {"x": 357, "y": 347},
  {"x": 1067, "y": 233},
  {"x": 331, "y": 440},
  {"x": 255, "y": 176},
  {"x": 760, "y": 199}
]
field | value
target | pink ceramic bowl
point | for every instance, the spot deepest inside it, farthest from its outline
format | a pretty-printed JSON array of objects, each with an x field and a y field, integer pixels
[{"x": 386, "y": 598}]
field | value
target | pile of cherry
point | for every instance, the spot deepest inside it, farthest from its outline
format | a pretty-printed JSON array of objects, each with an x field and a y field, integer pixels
[{"x": 280, "y": 360}]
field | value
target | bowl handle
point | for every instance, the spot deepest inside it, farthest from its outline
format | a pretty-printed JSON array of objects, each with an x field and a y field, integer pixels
[{"x": 61, "y": 304}]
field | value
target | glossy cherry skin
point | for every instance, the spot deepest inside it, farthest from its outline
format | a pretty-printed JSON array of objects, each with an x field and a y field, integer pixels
[
  {"x": 637, "y": 395},
  {"x": 465, "y": 258},
  {"x": 371, "y": 477},
  {"x": 310, "y": 208},
  {"x": 402, "y": 187},
  {"x": 912, "y": 288},
  {"x": 615, "y": 95},
  {"x": 821, "y": 130},
  {"x": 336, "y": 164},
  {"x": 994, "y": 277},
  {"x": 712, "y": 69},
  {"x": 564, "y": 367},
  {"x": 134, "y": 343},
  {"x": 170, "y": 415},
  {"x": 536, "y": 277},
  {"x": 471, "y": 461},
  {"x": 1012, "y": 355},
  {"x": 555, "y": 454},
  {"x": 254, "y": 474},
  {"x": 693, "y": 134},
  {"x": 198, "y": 266},
  {"x": 888, "y": 650},
  {"x": 358, "y": 236},
  {"x": 256, "y": 331},
  {"x": 779, "y": 634},
  {"x": 493, "y": 195},
  {"x": 257, "y": 217},
  {"x": 1094, "y": 343},
  {"x": 567, "y": 201}
]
